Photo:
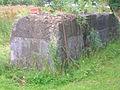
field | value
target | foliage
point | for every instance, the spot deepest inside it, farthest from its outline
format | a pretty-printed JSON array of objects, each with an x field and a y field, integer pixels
[
  {"x": 101, "y": 68},
  {"x": 52, "y": 51},
  {"x": 38, "y": 2},
  {"x": 59, "y": 4},
  {"x": 114, "y": 4},
  {"x": 23, "y": 2},
  {"x": 5, "y": 27},
  {"x": 71, "y": 6},
  {"x": 5, "y": 2},
  {"x": 1, "y": 2},
  {"x": 20, "y": 2},
  {"x": 88, "y": 6},
  {"x": 7, "y": 16},
  {"x": 95, "y": 39}
]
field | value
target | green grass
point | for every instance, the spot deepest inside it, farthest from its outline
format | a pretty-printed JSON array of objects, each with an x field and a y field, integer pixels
[
  {"x": 5, "y": 27},
  {"x": 108, "y": 75},
  {"x": 100, "y": 71}
]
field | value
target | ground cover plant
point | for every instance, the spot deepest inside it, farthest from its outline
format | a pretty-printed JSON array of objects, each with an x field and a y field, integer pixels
[{"x": 99, "y": 71}]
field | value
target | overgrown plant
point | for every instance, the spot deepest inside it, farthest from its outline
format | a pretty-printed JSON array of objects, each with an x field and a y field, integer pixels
[
  {"x": 59, "y": 5},
  {"x": 53, "y": 55},
  {"x": 23, "y": 2},
  {"x": 88, "y": 6},
  {"x": 115, "y": 7},
  {"x": 5, "y": 29},
  {"x": 1, "y": 2},
  {"x": 82, "y": 21},
  {"x": 95, "y": 39},
  {"x": 114, "y": 4}
]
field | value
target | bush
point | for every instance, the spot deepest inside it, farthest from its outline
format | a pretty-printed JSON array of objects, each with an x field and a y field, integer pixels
[
  {"x": 114, "y": 4},
  {"x": 38, "y": 2},
  {"x": 23, "y": 2},
  {"x": 59, "y": 4},
  {"x": 5, "y": 2},
  {"x": 5, "y": 27},
  {"x": 1, "y": 2}
]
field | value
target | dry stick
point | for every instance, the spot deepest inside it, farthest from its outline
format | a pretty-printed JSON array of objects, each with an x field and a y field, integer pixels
[
  {"x": 63, "y": 64},
  {"x": 71, "y": 26},
  {"x": 76, "y": 65},
  {"x": 76, "y": 42},
  {"x": 72, "y": 32},
  {"x": 65, "y": 41}
]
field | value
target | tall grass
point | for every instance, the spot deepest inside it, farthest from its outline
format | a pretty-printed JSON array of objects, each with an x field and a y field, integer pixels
[
  {"x": 88, "y": 67},
  {"x": 5, "y": 29},
  {"x": 7, "y": 16}
]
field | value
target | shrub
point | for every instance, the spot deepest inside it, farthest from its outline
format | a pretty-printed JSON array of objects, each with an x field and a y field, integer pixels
[
  {"x": 59, "y": 4},
  {"x": 38, "y": 2},
  {"x": 114, "y": 4},
  {"x": 1, "y": 2},
  {"x": 21, "y": 2},
  {"x": 5, "y": 2},
  {"x": 5, "y": 26}
]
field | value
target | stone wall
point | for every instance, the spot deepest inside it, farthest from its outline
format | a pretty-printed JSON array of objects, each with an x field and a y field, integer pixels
[{"x": 33, "y": 34}]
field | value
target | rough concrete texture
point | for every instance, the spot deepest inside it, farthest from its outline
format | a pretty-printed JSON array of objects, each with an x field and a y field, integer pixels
[
  {"x": 107, "y": 25},
  {"x": 33, "y": 34}
]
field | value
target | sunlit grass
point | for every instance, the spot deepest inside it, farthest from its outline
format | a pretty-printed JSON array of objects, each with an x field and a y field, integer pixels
[
  {"x": 5, "y": 29},
  {"x": 101, "y": 72}
]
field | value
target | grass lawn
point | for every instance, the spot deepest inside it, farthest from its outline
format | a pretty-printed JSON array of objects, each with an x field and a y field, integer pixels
[
  {"x": 105, "y": 75},
  {"x": 108, "y": 75},
  {"x": 108, "y": 78}
]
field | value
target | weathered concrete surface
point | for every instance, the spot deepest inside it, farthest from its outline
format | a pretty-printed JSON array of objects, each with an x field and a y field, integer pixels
[
  {"x": 33, "y": 34},
  {"x": 31, "y": 37},
  {"x": 107, "y": 25}
]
